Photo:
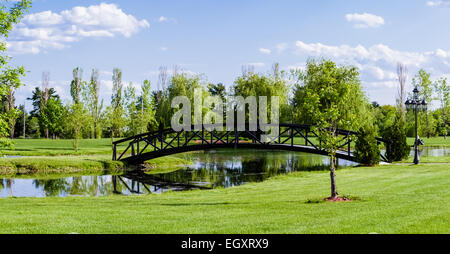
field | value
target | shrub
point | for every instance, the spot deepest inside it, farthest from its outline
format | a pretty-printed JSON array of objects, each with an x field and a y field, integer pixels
[
  {"x": 367, "y": 151},
  {"x": 396, "y": 134}
]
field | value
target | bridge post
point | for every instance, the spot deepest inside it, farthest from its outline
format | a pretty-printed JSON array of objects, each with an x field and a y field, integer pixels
[
  {"x": 114, "y": 152},
  {"x": 236, "y": 138},
  {"x": 132, "y": 150},
  {"x": 306, "y": 136},
  {"x": 138, "y": 141},
  {"x": 279, "y": 134},
  {"x": 349, "y": 144},
  {"x": 292, "y": 136}
]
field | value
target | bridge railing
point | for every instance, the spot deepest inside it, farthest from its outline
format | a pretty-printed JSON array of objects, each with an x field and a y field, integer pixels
[{"x": 289, "y": 135}]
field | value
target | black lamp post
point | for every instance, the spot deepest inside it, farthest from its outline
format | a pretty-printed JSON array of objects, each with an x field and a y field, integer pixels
[{"x": 416, "y": 104}]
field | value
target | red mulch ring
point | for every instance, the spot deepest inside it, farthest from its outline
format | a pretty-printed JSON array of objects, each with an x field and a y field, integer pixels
[{"x": 338, "y": 199}]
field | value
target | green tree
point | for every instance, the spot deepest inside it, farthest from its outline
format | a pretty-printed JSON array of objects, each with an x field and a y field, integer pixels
[
  {"x": 9, "y": 108},
  {"x": 146, "y": 107},
  {"x": 77, "y": 113},
  {"x": 10, "y": 14},
  {"x": 91, "y": 98},
  {"x": 442, "y": 90},
  {"x": 117, "y": 120},
  {"x": 396, "y": 134},
  {"x": 331, "y": 97},
  {"x": 252, "y": 84},
  {"x": 53, "y": 116},
  {"x": 367, "y": 151},
  {"x": 132, "y": 114},
  {"x": 39, "y": 104}
]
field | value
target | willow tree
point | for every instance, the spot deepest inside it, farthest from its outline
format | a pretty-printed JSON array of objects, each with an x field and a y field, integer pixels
[{"x": 330, "y": 97}]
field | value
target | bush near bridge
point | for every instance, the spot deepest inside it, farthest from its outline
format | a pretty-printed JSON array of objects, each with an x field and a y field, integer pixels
[{"x": 367, "y": 151}]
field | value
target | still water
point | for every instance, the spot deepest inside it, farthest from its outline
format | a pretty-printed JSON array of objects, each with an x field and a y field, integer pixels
[{"x": 211, "y": 169}]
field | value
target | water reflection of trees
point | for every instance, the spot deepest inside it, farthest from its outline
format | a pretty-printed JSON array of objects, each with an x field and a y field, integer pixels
[
  {"x": 75, "y": 186},
  {"x": 231, "y": 167}
]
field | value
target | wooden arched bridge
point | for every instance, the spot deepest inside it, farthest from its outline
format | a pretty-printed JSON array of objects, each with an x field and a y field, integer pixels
[{"x": 292, "y": 137}]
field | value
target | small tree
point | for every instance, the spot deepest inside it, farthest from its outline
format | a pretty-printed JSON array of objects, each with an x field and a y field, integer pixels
[
  {"x": 77, "y": 114},
  {"x": 332, "y": 97},
  {"x": 367, "y": 151}
]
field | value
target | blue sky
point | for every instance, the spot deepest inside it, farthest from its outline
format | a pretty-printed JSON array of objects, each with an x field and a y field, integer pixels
[{"x": 216, "y": 38}]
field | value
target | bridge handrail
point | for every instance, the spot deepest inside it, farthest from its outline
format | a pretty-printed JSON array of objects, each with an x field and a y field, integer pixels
[{"x": 302, "y": 126}]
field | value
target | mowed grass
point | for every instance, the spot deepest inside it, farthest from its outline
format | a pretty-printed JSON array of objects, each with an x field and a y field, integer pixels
[
  {"x": 388, "y": 199},
  {"x": 433, "y": 141},
  {"x": 49, "y": 147}
]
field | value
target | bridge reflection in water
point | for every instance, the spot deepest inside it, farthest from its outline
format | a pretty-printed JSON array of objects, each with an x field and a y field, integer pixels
[{"x": 138, "y": 182}]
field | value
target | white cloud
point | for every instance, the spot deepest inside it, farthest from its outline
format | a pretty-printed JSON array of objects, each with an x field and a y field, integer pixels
[
  {"x": 265, "y": 51},
  {"x": 377, "y": 64},
  {"x": 163, "y": 48},
  {"x": 164, "y": 19},
  {"x": 46, "y": 30},
  {"x": 438, "y": 3},
  {"x": 365, "y": 20},
  {"x": 281, "y": 47}
]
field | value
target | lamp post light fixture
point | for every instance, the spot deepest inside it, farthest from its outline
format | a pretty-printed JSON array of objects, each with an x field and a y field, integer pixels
[{"x": 417, "y": 105}]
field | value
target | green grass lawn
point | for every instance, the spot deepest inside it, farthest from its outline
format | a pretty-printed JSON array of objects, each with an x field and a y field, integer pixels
[
  {"x": 48, "y": 147},
  {"x": 46, "y": 156},
  {"x": 389, "y": 199},
  {"x": 433, "y": 141}
]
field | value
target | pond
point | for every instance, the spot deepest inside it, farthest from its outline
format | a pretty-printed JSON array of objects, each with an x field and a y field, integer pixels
[{"x": 210, "y": 169}]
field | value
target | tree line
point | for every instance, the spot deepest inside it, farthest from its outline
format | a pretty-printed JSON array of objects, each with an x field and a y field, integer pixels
[{"x": 130, "y": 113}]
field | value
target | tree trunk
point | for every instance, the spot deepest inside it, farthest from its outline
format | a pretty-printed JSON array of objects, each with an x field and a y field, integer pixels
[
  {"x": 95, "y": 130},
  {"x": 334, "y": 192},
  {"x": 11, "y": 131},
  {"x": 112, "y": 139}
]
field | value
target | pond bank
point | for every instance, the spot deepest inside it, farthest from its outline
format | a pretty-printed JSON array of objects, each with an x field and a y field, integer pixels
[{"x": 79, "y": 164}]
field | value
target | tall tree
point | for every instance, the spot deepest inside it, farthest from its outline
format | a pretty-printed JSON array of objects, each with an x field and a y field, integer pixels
[
  {"x": 402, "y": 76},
  {"x": 9, "y": 107},
  {"x": 45, "y": 96},
  {"x": 76, "y": 109},
  {"x": 117, "y": 120},
  {"x": 333, "y": 98},
  {"x": 10, "y": 14},
  {"x": 39, "y": 112},
  {"x": 146, "y": 106},
  {"x": 442, "y": 89},
  {"x": 131, "y": 111},
  {"x": 91, "y": 97}
]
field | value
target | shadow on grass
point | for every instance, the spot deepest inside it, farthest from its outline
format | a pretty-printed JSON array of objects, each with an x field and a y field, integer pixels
[{"x": 203, "y": 204}]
